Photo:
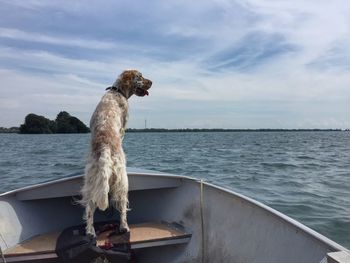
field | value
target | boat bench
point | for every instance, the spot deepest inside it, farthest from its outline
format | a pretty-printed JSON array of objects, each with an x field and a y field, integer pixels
[{"x": 42, "y": 248}]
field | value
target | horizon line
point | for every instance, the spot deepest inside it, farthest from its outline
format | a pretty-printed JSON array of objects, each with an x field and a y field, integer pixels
[{"x": 16, "y": 130}]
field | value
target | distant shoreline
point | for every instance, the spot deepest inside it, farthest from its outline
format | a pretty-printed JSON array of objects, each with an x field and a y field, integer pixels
[
  {"x": 150, "y": 130},
  {"x": 232, "y": 130}
]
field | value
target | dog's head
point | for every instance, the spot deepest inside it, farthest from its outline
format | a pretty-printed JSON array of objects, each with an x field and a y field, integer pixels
[{"x": 132, "y": 82}]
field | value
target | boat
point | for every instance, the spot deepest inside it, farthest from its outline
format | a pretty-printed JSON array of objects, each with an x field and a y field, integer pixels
[{"x": 172, "y": 219}]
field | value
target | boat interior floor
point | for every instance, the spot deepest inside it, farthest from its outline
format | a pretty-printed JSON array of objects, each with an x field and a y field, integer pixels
[{"x": 143, "y": 235}]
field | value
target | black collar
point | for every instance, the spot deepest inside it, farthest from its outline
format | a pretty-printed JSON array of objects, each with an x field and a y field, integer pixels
[{"x": 116, "y": 89}]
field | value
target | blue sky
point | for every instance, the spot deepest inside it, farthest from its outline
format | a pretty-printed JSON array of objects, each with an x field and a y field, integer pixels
[{"x": 214, "y": 64}]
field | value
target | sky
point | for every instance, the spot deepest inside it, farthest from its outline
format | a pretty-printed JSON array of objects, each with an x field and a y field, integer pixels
[{"x": 214, "y": 64}]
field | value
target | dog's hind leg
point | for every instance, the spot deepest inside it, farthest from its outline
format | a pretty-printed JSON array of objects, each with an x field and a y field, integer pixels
[
  {"x": 120, "y": 198},
  {"x": 89, "y": 218},
  {"x": 95, "y": 188}
]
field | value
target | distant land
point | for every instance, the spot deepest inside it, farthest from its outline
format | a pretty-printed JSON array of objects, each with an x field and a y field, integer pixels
[
  {"x": 36, "y": 124},
  {"x": 9, "y": 130},
  {"x": 132, "y": 130},
  {"x": 228, "y": 130}
]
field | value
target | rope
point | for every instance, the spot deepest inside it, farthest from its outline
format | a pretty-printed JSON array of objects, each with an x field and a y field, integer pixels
[
  {"x": 202, "y": 219},
  {"x": 2, "y": 256},
  {"x": 1, "y": 253},
  {"x": 3, "y": 240}
]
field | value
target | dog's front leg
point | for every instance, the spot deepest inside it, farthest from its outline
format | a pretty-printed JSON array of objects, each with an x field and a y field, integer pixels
[
  {"x": 123, "y": 201},
  {"x": 124, "y": 227}
]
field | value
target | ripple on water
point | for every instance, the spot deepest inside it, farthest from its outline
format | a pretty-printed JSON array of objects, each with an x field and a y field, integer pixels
[
  {"x": 305, "y": 157},
  {"x": 279, "y": 165}
]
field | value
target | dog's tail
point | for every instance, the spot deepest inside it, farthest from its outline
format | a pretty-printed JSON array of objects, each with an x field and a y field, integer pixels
[{"x": 96, "y": 180}]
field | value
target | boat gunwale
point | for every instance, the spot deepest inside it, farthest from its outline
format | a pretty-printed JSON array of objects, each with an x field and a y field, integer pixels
[{"x": 77, "y": 176}]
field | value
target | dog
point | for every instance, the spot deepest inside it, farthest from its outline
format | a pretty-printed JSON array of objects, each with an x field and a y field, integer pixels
[{"x": 105, "y": 171}]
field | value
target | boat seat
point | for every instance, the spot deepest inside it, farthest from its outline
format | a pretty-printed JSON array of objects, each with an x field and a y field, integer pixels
[{"x": 42, "y": 248}]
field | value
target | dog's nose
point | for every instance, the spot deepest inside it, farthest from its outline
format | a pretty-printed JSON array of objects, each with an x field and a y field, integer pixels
[{"x": 149, "y": 83}]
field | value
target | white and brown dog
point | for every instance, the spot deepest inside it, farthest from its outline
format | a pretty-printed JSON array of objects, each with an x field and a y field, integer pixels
[{"x": 105, "y": 171}]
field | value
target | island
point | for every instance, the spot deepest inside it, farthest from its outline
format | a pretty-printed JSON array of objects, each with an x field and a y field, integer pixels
[{"x": 64, "y": 123}]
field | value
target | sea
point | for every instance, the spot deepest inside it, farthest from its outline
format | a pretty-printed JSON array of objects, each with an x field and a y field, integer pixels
[{"x": 305, "y": 175}]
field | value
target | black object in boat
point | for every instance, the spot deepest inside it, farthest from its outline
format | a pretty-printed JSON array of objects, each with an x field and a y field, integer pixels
[{"x": 74, "y": 246}]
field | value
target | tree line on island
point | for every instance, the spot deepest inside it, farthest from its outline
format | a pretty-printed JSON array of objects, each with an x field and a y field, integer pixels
[
  {"x": 64, "y": 123},
  {"x": 229, "y": 130}
]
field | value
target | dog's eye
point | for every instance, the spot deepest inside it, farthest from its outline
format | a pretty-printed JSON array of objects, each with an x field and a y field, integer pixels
[
  {"x": 139, "y": 78},
  {"x": 139, "y": 82}
]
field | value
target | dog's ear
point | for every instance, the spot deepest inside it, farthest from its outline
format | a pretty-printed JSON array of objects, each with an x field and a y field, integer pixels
[
  {"x": 109, "y": 88},
  {"x": 127, "y": 78}
]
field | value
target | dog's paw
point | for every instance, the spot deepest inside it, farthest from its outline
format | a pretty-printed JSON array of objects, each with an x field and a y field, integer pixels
[
  {"x": 90, "y": 233},
  {"x": 124, "y": 229},
  {"x": 90, "y": 236}
]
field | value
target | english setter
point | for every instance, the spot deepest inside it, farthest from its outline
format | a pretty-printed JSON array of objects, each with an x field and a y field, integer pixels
[{"x": 105, "y": 171}]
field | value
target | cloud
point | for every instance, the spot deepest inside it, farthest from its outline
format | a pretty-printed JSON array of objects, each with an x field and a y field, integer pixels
[
  {"x": 336, "y": 58},
  {"x": 23, "y": 93},
  {"x": 42, "y": 61},
  {"x": 20, "y": 35},
  {"x": 253, "y": 50}
]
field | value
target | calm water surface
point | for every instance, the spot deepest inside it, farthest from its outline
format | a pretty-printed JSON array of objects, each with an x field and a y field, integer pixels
[{"x": 305, "y": 175}]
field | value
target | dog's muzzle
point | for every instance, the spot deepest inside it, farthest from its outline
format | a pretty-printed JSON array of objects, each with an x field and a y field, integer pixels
[{"x": 142, "y": 89}]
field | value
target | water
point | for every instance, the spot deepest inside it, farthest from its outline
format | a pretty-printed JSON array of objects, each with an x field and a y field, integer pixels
[{"x": 305, "y": 175}]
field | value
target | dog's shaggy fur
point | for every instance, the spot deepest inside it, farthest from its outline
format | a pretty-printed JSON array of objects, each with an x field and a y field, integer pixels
[{"x": 105, "y": 171}]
